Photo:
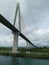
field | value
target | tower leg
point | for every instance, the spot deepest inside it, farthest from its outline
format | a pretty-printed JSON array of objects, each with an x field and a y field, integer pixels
[
  {"x": 15, "y": 43},
  {"x": 26, "y": 45}
]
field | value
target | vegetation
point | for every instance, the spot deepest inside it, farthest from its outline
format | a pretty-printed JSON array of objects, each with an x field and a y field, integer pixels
[
  {"x": 42, "y": 50},
  {"x": 5, "y": 48},
  {"x": 42, "y": 53}
]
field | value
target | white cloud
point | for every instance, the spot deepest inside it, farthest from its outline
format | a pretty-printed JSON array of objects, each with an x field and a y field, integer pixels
[
  {"x": 41, "y": 32},
  {"x": 7, "y": 38}
]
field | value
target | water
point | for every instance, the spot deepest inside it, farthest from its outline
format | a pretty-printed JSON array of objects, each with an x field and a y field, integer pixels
[{"x": 7, "y": 60}]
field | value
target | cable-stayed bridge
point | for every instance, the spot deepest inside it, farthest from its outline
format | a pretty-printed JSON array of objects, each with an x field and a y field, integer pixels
[{"x": 14, "y": 30}]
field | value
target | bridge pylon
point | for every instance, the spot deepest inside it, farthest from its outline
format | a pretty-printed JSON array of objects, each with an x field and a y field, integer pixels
[
  {"x": 15, "y": 35},
  {"x": 27, "y": 45},
  {"x": 15, "y": 43}
]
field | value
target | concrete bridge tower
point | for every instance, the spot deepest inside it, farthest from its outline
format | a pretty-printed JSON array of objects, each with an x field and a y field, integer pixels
[{"x": 15, "y": 35}]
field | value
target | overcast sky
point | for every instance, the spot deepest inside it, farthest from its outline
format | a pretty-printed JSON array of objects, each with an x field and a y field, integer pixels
[{"x": 34, "y": 21}]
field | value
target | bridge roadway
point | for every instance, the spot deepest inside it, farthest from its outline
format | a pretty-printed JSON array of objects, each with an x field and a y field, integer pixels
[{"x": 14, "y": 29}]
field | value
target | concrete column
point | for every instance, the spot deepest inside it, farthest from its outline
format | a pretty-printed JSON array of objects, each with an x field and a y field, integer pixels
[
  {"x": 26, "y": 45},
  {"x": 30, "y": 46},
  {"x": 15, "y": 43}
]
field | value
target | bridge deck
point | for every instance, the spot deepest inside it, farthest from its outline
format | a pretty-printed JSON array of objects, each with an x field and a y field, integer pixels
[{"x": 14, "y": 29}]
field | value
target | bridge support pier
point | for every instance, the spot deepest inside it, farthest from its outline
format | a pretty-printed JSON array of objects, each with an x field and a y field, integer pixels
[
  {"x": 27, "y": 45},
  {"x": 15, "y": 43}
]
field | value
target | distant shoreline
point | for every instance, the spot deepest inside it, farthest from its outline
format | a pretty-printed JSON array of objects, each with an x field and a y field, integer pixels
[
  {"x": 39, "y": 53},
  {"x": 27, "y": 55}
]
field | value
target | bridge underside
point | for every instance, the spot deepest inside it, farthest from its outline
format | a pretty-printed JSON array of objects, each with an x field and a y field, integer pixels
[{"x": 14, "y": 29}]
